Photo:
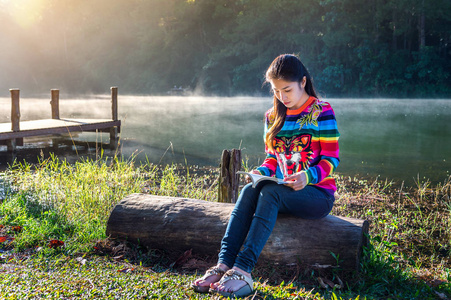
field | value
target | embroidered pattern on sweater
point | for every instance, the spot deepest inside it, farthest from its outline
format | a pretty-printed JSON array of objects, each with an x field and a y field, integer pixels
[
  {"x": 312, "y": 116},
  {"x": 293, "y": 154}
]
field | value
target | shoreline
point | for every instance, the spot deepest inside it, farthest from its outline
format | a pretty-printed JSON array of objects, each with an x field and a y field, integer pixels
[{"x": 90, "y": 153}]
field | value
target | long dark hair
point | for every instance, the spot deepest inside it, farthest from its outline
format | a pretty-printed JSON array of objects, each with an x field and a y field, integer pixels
[{"x": 287, "y": 67}]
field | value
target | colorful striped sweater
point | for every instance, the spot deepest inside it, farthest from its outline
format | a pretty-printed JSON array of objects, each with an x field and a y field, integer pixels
[{"x": 308, "y": 141}]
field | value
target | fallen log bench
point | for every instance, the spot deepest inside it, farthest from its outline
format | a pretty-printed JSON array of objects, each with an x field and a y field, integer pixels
[{"x": 180, "y": 224}]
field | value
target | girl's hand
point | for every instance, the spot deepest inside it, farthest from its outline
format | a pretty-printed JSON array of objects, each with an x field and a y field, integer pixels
[
  {"x": 248, "y": 179},
  {"x": 297, "y": 181}
]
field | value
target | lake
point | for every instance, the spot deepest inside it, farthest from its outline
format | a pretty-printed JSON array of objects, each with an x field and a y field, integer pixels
[{"x": 398, "y": 139}]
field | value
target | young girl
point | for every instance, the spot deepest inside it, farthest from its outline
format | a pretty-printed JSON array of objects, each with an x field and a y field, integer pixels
[{"x": 301, "y": 142}]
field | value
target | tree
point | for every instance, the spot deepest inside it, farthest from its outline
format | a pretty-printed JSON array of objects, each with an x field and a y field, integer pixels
[{"x": 352, "y": 48}]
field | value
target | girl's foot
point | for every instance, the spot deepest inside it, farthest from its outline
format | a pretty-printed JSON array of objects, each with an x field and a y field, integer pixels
[
  {"x": 235, "y": 283},
  {"x": 212, "y": 275}
]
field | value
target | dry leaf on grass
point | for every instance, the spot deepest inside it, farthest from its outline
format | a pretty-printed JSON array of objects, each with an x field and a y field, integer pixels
[{"x": 55, "y": 244}]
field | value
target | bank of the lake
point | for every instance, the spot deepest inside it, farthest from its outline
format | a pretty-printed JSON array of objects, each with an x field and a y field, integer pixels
[{"x": 55, "y": 201}]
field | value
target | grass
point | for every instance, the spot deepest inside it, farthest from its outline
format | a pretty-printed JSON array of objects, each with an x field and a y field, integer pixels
[{"x": 53, "y": 218}]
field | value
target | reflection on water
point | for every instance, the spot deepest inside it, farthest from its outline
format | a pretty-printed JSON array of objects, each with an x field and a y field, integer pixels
[{"x": 394, "y": 139}]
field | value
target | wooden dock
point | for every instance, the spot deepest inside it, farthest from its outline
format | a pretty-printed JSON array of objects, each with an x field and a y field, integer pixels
[{"x": 12, "y": 134}]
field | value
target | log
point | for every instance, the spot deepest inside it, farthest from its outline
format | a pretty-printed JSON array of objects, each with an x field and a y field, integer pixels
[{"x": 180, "y": 224}]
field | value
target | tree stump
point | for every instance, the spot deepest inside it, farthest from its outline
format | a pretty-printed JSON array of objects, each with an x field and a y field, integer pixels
[
  {"x": 229, "y": 181},
  {"x": 179, "y": 224}
]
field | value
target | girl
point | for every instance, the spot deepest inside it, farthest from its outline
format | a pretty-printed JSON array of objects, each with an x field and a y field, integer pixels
[{"x": 301, "y": 142}]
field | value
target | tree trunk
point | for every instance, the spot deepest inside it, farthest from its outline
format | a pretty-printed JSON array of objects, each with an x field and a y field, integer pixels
[
  {"x": 394, "y": 35},
  {"x": 422, "y": 28},
  {"x": 179, "y": 224}
]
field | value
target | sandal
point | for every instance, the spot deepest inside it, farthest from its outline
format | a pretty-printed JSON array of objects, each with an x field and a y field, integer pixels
[
  {"x": 242, "y": 292},
  {"x": 210, "y": 272}
]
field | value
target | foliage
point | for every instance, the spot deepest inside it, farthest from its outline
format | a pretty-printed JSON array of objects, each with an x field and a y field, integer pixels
[
  {"x": 56, "y": 200},
  {"x": 394, "y": 48}
]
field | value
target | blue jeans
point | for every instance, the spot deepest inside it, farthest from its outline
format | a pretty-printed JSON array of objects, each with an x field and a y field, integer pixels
[{"x": 254, "y": 216}]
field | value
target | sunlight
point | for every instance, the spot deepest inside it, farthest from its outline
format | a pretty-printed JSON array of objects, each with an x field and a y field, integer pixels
[{"x": 25, "y": 12}]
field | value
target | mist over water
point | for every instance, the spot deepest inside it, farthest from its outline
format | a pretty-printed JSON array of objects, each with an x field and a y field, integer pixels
[{"x": 390, "y": 138}]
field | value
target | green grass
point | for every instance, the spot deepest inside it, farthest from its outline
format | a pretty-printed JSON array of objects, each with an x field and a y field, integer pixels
[{"x": 408, "y": 257}]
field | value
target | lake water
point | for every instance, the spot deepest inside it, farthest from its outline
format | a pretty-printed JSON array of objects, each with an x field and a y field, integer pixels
[{"x": 401, "y": 140}]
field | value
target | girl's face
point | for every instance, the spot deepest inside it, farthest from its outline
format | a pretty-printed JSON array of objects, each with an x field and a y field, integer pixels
[{"x": 291, "y": 93}]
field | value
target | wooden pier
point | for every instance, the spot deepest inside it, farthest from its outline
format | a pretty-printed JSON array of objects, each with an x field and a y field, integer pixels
[{"x": 12, "y": 134}]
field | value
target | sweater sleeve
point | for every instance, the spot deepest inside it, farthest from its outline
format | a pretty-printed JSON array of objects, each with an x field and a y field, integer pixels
[{"x": 329, "y": 153}]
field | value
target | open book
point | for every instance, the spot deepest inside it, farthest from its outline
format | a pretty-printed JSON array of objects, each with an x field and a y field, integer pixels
[{"x": 256, "y": 178}]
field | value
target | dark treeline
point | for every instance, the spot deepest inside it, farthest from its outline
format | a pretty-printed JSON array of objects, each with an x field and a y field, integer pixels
[{"x": 353, "y": 48}]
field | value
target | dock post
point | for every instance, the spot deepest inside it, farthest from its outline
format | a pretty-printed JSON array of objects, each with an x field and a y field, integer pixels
[
  {"x": 15, "y": 109},
  {"x": 114, "y": 103},
  {"x": 15, "y": 118},
  {"x": 54, "y": 102},
  {"x": 114, "y": 116}
]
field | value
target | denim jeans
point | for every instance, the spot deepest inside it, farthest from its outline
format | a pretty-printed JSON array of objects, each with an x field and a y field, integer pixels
[{"x": 254, "y": 216}]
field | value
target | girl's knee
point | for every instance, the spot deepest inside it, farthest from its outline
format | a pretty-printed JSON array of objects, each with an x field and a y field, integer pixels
[
  {"x": 247, "y": 197},
  {"x": 271, "y": 193},
  {"x": 270, "y": 186},
  {"x": 273, "y": 190},
  {"x": 247, "y": 189}
]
